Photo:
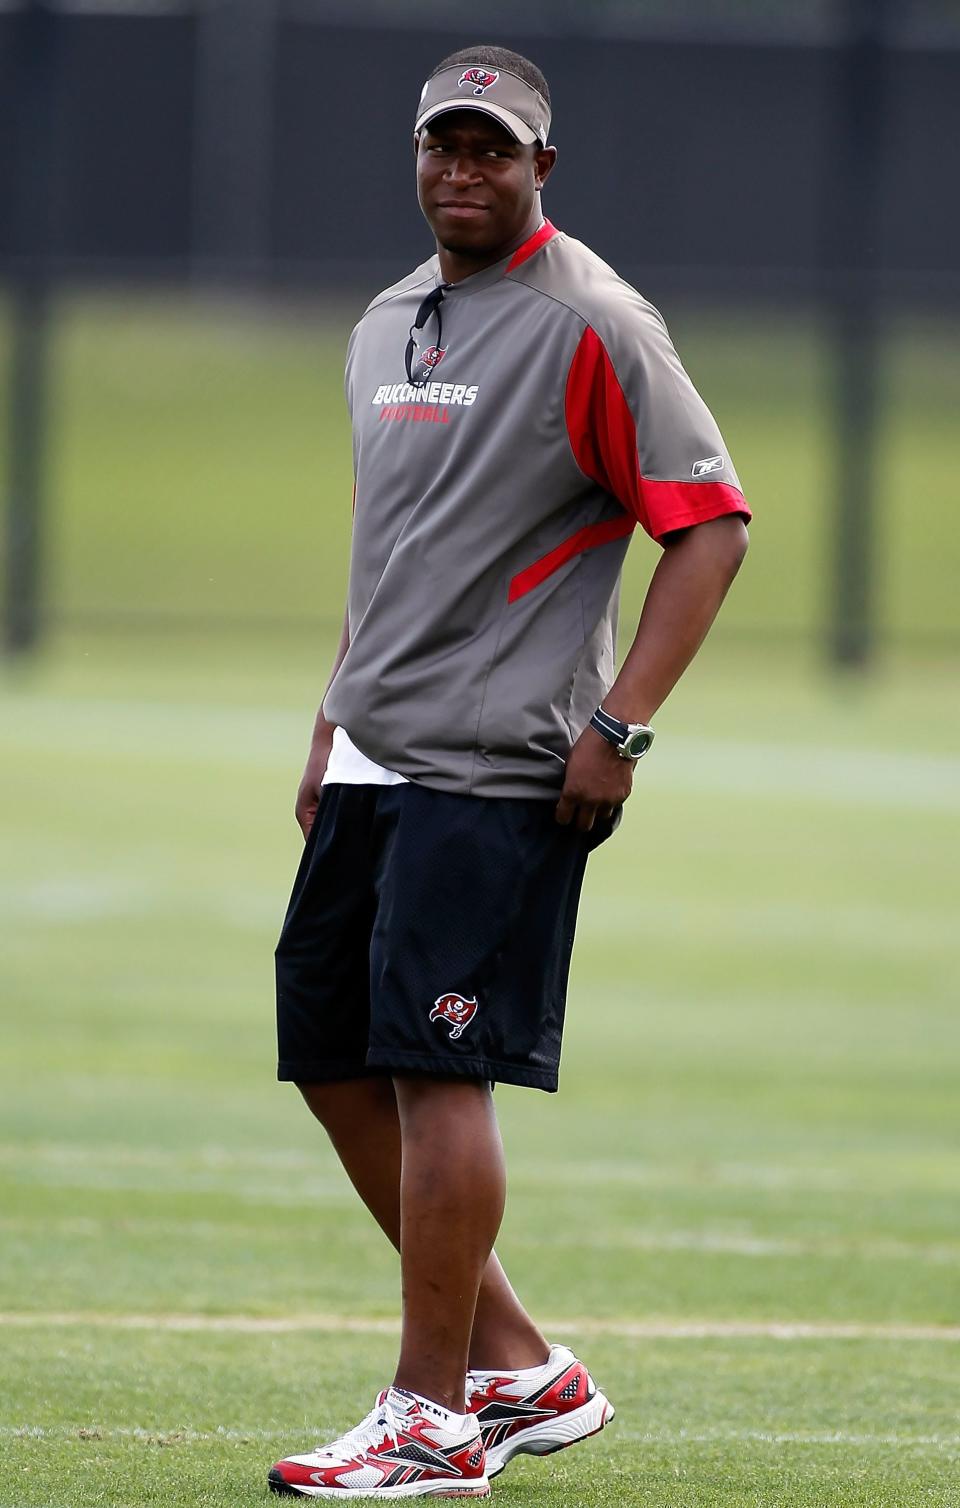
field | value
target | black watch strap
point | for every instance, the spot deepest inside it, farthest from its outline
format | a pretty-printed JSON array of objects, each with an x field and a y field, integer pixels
[{"x": 610, "y": 728}]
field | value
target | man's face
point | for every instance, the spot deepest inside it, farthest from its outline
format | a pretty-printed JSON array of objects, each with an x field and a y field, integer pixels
[{"x": 477, "y": 186}]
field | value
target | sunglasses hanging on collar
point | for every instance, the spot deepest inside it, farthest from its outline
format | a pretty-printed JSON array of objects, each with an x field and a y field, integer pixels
[{"x": 430, "y": 305}]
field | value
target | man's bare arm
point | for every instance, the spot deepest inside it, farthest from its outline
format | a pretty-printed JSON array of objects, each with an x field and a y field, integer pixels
[
  {"x": 308, "y": 796},
  {"x": 684, "y": 596}
]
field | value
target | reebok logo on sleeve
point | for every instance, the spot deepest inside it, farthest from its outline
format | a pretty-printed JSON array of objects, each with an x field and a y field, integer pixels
[{"x": 704, "y": 468}]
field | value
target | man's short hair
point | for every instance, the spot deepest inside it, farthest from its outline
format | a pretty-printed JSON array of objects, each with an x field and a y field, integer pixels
[{"x": 498, "y": 57}]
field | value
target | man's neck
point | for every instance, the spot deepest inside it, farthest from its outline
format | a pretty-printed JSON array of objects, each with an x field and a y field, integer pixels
[{"x": 454, "y": 266}]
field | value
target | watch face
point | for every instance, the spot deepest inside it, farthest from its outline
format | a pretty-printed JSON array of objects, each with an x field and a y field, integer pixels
[{"x": 637, "y": 745}]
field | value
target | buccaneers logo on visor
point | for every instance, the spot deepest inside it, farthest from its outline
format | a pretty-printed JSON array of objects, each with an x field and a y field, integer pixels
[
  {"x": 479, "y": 78},
  {"x": 455, "y": 1009}
]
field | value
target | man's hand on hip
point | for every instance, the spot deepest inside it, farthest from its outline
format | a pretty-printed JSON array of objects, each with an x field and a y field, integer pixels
[{"x": 596, "y": 783}]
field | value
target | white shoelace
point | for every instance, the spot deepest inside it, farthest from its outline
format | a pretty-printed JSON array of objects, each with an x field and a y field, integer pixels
[{"x": 380, "y": 1423}]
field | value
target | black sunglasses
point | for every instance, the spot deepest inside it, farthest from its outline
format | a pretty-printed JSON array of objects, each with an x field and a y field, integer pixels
[{"x": 430, "y": 305}]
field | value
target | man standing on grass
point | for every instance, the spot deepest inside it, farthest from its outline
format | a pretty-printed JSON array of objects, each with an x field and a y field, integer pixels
[{"x": 517, "y": 410}]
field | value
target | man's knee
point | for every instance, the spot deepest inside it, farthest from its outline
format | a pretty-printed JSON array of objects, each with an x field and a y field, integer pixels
[
  {"x": 345, "y": 1100},
  {"x": 427, "y": 1093},
  {"x": 318, "y": 1098}
]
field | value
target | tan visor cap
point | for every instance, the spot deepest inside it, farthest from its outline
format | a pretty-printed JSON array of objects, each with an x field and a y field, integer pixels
[{"x": 493, "y": 91}]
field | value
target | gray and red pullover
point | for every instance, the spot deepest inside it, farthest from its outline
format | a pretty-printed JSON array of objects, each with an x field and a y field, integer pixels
[{"x": 494, "y": 505}]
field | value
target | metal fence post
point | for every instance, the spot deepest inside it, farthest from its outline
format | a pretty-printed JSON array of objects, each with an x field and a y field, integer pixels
[
  {"x": 232, "y": 168},
  {"x": 853, "y": 229},
  {"x": 30, "y": 301}
]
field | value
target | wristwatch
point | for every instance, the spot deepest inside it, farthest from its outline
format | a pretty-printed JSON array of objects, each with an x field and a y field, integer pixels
[{"x": 631, "y": 740}]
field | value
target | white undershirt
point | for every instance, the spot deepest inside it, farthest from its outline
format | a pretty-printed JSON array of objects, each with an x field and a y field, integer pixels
[{"x": 348, "y": 766}]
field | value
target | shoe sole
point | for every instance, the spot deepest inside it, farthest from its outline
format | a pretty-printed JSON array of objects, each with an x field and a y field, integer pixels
[
  {"x": 589, "y": 1419},
  {"x": 478, "y": 1489}
]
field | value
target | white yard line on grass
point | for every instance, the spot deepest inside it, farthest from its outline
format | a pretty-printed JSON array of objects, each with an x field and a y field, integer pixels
[
  {"x": 244, "y": 1324},
  {"x": 174, "y": 1436},
  {"x": 786, "y": 1437}
]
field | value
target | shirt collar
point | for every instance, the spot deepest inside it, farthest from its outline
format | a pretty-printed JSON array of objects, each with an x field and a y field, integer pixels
[{"x": 490, "y": 275}]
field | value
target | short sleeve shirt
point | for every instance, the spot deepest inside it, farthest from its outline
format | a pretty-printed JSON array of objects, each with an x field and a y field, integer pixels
[{"x": 494, "y": 504}]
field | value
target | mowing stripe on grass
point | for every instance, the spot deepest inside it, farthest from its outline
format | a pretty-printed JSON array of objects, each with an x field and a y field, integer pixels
[
  {"x": 90, "y": 1165},
  {"x": 251, "y": 736},
  {"x": 705, "y": 1243},
  {"x": 720, "y": 1243},
  {"x": 359, "y": 1324}
]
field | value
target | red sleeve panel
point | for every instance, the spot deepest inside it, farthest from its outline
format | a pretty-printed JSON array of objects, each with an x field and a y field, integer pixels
[{"x": 607, "y": 447}]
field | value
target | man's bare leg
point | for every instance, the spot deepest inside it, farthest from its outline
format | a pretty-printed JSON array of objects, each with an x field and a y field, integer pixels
[
  {"x": 452, "y": 1193},
  {"x": 363, "y": 1123}
]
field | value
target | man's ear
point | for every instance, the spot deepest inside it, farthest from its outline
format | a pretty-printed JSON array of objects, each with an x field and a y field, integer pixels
[
  {"x": 543, "y": 163},
  {"x": 416, "y": 143}
]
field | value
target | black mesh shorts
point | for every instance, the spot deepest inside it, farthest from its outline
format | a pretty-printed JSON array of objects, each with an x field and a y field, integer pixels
[{"x": 429, "y": 933}]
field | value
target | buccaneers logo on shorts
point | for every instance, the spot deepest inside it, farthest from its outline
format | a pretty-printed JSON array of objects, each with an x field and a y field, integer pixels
[
  {"x": 479, "y": 78},
  {"x": 455, "y": 1009}
]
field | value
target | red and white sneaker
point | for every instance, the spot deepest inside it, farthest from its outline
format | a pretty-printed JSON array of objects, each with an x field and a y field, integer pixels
[
  {"x": 403, "y": 1449},
  {"x": 536, "y": 1412}
]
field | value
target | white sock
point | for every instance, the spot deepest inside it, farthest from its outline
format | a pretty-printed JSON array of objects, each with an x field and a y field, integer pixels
[
  {"x": 522, "y": 1374},
  {"x": 456, "y": 1423}
]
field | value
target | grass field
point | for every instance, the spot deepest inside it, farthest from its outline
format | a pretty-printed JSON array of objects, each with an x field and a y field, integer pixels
[{"x": 742, "y": 1207}]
